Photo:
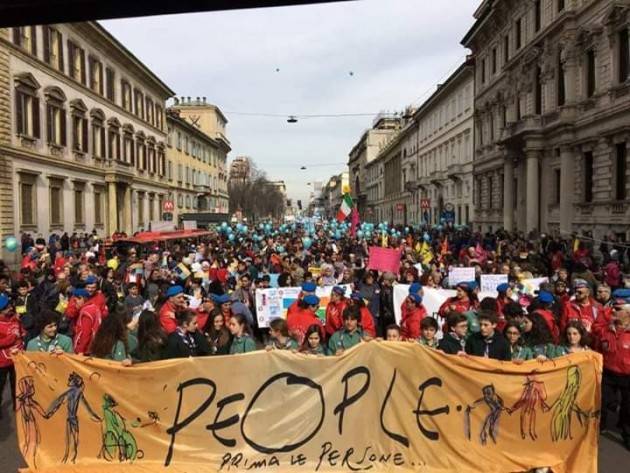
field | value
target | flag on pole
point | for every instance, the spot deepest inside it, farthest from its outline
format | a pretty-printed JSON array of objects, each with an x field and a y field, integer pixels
[{"x": 345, "y": 209}]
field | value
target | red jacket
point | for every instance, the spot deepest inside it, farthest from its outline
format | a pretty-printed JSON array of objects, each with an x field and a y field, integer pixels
[
  {"x": 367, "y": 322},
  {"x": 167, "y": 317},
  {"x": 86, "y": 325},
  {"x": 549, "y": 318},
  {"x": 202, "y": 318},
  {"x": 98, "y": 299},
  {"x": 299, "y": 322},
  {"x": 11, "y": 336},
  {"x": 587, "y": 314},
  {"x": 410, "y": 322},
  {"x": 460, "y": 306},
  {"x": 615, "y": 346},
  {"x": 334, "y": 316}
]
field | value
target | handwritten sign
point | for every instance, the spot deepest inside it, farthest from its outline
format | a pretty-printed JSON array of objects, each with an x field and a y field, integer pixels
[
  {"x": 489, "y": 282},
  {"x": 457, "y": 275},
  {"x": 384, "y": 259},
  {"x": 379, "y": 407}
]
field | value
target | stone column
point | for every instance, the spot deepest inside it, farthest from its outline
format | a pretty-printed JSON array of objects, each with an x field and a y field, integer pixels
[
  {"x": 127, "y": 210},
  {"x": 112, "y": 209},
  {"x": 508, "y": 194},
  {"x": 567, "y": 190},
  {"x": 532, "y": 206}
]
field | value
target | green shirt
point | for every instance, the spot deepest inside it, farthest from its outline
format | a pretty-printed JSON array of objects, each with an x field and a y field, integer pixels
[
  {"x": 519, "y": 352},
  {"x": 242, "y": 344},
  {"x": 549, "y": 350},
  {"x": 428, "y": 343},
  {"x": 342, "y": 340},
  {"x": 119, "y": 353},
  {"x": 62, "y": 341},
  {"x": 289, "y": 344}
]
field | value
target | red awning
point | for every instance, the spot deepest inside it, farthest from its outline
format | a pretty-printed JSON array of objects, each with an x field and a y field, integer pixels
[{"x": 150, "y": 237}]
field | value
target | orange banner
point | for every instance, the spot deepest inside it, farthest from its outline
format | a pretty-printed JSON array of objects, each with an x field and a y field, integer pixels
[{"x": 378, "y": 407}]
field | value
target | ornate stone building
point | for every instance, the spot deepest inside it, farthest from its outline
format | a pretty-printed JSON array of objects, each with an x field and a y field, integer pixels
[
  {"x": 552, "y": 114},
  {"x": 82, "y": 133}
]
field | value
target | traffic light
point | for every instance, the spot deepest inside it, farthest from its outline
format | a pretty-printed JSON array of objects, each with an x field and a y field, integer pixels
[{"x": 299, "y": 202}]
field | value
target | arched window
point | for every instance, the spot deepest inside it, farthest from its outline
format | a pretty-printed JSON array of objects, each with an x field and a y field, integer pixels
[
  {"x": 78, "y": 112},
  {"x": 113, "y": 138},
  {"x": 98, "y": 133},
  {"x": 26, "y": 106}
]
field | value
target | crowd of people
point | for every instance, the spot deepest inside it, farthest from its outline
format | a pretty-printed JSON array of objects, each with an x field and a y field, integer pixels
[{"x": 142, "y": 303}]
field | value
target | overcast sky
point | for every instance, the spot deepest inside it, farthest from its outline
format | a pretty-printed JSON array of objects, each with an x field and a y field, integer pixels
[{"x": 396, "y": 50}]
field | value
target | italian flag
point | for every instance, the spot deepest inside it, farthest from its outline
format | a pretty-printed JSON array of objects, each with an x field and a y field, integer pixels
[{"x": 345, "y": 209}]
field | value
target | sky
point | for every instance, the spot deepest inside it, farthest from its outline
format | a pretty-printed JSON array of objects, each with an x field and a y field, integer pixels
[{"x": 361, "y": 57}]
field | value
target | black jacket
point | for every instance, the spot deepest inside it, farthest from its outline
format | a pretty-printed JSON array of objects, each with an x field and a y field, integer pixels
[
  {"x": 497, "y": 346},
  {"x": 450, "y": 345},
  {"x": 177, "y": 348}
]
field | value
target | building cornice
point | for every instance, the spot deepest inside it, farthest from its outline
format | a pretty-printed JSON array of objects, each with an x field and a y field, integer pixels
[{"x": 174, "y": 119}]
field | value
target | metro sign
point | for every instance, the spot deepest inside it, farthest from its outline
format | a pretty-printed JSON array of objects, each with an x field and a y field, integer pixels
[
  {"x": 168, "y": 206},
  {"x": 425, "y": 204}
]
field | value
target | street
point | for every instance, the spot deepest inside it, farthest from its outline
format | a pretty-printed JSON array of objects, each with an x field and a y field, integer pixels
[{"x": 613, "y": 457}]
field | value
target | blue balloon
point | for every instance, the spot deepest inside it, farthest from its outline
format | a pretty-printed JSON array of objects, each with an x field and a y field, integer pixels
[
  {"x": 280, "y": 249},
  {"x": 231, "y": 237},
  {"x": 307, "y": 242},
  {"x": 360, "y": 234},
  {"x": 11, "y": 244},
  {"x": 261, "y": 226},
  {"x": 244, "y": 228}
]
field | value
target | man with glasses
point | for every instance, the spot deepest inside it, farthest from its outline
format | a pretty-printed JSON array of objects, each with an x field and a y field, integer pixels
[
  {"x": 615, "y": 347},
  {"x": 176, "y": 302},
  {"x": 581, "y": 307}
]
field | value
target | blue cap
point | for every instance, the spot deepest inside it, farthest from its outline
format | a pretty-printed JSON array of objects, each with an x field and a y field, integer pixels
[
  {"x": 311, "y": 299},
  {"x": 174, "y": 291},
  {"x": 415, "y": 287},
  {"x": 91, "y": 280},
  {"x": 339, "y": 290},
  {"x": 4, "y": 301},
  {"x": 309, "y": 287},
  {"x": 503, "y": 287},
  {"x": 80, "y": 293},
  {"x": 356, "y": 296},
  {"x": 621, "y": 296},
  {"x": 467, "y": 285},
  {"x": 580, "y": 283},
  {"x": 416, "y": 298},
  {"x": 222, "y": 299},
  {"x": 545, "y": 297}
]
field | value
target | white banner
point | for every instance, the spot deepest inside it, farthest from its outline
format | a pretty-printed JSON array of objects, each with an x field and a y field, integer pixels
[
  {"x": 457, "y": 275},
  {"x": 489, "y": 282},
  {"x": 274, "y": 303}
]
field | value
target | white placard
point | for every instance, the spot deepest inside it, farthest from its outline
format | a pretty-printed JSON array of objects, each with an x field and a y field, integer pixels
[
  {"x": 490, "y": 282},
  {"x": 457, "y": 275}
]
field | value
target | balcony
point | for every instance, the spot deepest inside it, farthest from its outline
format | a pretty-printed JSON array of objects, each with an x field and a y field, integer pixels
[
  {"x": 201, "y": 187},
  {"x": 454, "y": 171}
]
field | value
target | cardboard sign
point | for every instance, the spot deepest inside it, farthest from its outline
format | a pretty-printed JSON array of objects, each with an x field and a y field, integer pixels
[
  {"x": 384, "y": 259},
  {"x": 489, "y": 282},
  {"x": 457, "y": 275}
]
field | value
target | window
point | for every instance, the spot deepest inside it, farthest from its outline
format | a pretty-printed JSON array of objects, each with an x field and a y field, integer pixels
[
  {"x": 538, "y": 92},
  {"x": 140, "y": 209},
  {"x": 150, "y": 111},
  {"x": 494, "y": 60},
  {"x": 588, "y": 177},
  {"x": 79, "y": 126},
  {"x": 624, "y": 55},
  {"x": 98, "y": 133},
  {"x": 161, "y": 160},
  {"x": 53, "y": 48},
  {"x": 138, "y": 100},
  {"x": 26, "y": 38},
  {"x": 98, "y": 205},
  {"x": 483, "y": 78},
  {"x": 556, "y": 187},
  {"x": 113, "y": 139},
  {"x": 76, "y": 62},
  {"x": 590, "y": 73},
  {"x": 560, "y": 5},
  {"x": 26, "y": 106},
  {"x": 561, "y": 98},
  {"x": 180, "y": 173},
  {"x": 169, "y": 170},
  {"x": 110, "y": 86},
  {"x": 55, "y": 116},
  {"x": 151, "y": 207},
  {"x": 186, "y": 145},
  {"x": 537, "y": 15},
  {"x": 128, "y": 145},
  {"x": 179, "y": 140},
  {"x": 169, "y": 137},
  {"x": 620, "y": 172},
  {"x": 141, "y": 152},
  {"x": 151, "y": 158},
  {"x": 96, "y": 75},
  {"x": 506, "y": 49},
  {"x": 159, "y": 117},
  {"x": 79, "y": 203},
  {"x": 125, "y": 87},
  {"x": 56, "y": 201},
  {"x": 28, "y": 199},
  {"x": 187, "y": 201},
  {"x": 518, "y": 32},
  {"x": 180, "y": 201},
  {"x": 519, "y": 115}
]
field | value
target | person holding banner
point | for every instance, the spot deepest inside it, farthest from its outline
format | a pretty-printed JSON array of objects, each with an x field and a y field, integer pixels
[
  {"x": 575, "y": 338},
  {"x": 454, "y": 341},
  {"x": 48, "y": 340},
  {"x": 242, "y": 341},
  {"x": 513, "y": 334},
  {"x": 412, "y": 317},
  {"x": 428, "y": 330},
  {"x": 314, "y": 342},
  {"x": 488, "y": 342},
  {"x": 538, "y": 338},
  {"x": 217, "y": 334},
  {"x": 279, "y": 336},
  {"x": 367, "y": 322},
  {"x": 350, "y": 335},
  {"x": 186, "y": 340},
  {"x": 334, "y": 310},
  {"x": 298, "y": 322}
]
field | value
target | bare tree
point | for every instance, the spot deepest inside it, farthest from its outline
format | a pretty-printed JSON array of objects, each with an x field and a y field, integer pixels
[{"x": 256, "y": 197}]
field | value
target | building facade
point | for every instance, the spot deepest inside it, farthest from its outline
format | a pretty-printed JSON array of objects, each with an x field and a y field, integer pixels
[
  {"x": 443, "y": 172},
  {"x": 240, "y": 169},
  {"x": 195, "y": 168},
  {"x": 552, "y": 108},
  {"x": 82, "y": 133},
  {"x": 331, "y": 195},
  {"x": 364, "y": 152}
]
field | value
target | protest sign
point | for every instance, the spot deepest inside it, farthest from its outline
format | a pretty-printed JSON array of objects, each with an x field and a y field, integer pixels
[
  {"x": 489, "y": 282},
  {"x": 457, "y": 275},
  {"x": 273, "y": 303},
  {"x": 531, "y": 286},
  {"x": 384, "y": 259},
  {"x": 378, "y": 407}
]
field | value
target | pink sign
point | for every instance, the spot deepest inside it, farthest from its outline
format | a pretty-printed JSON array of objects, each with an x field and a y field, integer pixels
[{"x": 384, "y": 259}]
